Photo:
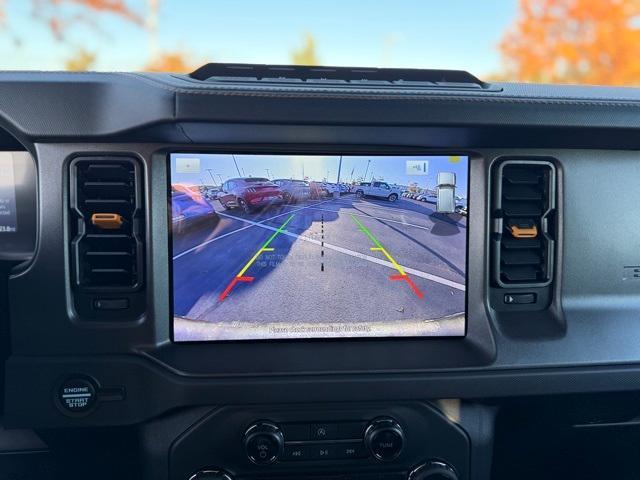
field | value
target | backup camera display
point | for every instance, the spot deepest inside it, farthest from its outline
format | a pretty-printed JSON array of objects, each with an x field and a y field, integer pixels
[{"x": 293, "y": 246}]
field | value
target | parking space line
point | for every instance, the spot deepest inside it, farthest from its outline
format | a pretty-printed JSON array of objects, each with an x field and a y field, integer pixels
[
  {"x": 379, "y": 248},
  {"x": 240, "y": 277},
  {"x": 362, "y": 256},
  {"x": 366, "y": 215},
  {"x": 211, "y": 240},
  {"x": 408, "y": 211},
  {"x": 397, "y": 207}
]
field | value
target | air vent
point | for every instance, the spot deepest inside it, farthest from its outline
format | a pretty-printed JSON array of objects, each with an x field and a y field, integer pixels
[
  {"x": 107, "y": 224},
  {"x": 523, "y": 223}
]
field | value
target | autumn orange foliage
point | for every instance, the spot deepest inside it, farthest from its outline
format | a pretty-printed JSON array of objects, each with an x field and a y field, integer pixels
[
  {"x": 175, "y": 62},
  {"x": 50, "y": 11},
  {"x": 117, "y": 7},
  {"x": 574, "y": 41}
]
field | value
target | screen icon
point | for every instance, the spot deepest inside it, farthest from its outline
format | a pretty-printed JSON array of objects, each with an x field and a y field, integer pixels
[
  {"x": 187, "y": 165},
  {"x": 417, "y": 167}
]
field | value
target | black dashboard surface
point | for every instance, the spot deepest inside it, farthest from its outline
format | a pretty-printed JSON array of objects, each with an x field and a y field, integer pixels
[{"x": 585, "y": 341}]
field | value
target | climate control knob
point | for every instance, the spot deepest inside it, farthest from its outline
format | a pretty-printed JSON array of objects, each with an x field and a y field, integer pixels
[
  {"x": 384, "y": 438},
  {"x": 434, "y": 470},
  {"x": 263, "y": 443}
]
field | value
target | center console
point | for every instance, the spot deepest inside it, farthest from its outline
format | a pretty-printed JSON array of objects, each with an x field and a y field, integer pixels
[{"x": 384, "y": 442}]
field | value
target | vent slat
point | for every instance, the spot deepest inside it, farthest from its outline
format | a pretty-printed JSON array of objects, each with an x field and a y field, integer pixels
[
  {"x": 521, "y": 193},
  {"x": 522, "y": 257},
  {"x": 510, "y": 243},
  {"x": 529, "y": 209},
  {"x": 519, "y": 274}
]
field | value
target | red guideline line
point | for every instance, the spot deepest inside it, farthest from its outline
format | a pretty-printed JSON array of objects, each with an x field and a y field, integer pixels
[
  {"x": 407, "y": 279},
  {"x": 235, "y": 280}
]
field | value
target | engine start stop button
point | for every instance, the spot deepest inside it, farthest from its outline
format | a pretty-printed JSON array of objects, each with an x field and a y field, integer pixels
[{"x": 77, "y": 395}]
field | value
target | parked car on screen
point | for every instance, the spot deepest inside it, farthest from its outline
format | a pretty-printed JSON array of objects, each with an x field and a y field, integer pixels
[
  {"x": 461, "y": 205},
  {"x": 329, "y": 188},
  {"x": 189, "y": 208},
  {"x": 344, "y": 188},
  {"x": 210, "y": 193},
  {"x": 293, "y": 190},
  {"x": 378, "y": 189},
  {"x": 249, "y": 193}
]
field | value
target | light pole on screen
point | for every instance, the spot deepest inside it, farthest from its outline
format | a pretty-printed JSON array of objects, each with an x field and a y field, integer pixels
[
  {"x": 236, "y": 164},
  {"x": 211, "y": 174}
]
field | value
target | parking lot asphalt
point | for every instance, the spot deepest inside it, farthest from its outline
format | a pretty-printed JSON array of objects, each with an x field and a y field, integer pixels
[{"x": 334, "y": 267}]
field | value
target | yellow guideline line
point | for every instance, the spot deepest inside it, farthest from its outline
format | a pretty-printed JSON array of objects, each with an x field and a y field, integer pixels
[
  {"x": 264, "y": 247},
  {"x": 249, "y": 263},
  {"x": 393, "y": 262}
]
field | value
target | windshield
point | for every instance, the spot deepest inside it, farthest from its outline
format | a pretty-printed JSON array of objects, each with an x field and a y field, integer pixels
[{"x": 554, "y": 41}]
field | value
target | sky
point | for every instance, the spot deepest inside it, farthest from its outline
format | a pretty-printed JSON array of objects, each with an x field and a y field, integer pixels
[
  {"x": 391, "y": 169},
  {"x": 456, "y": 34}
]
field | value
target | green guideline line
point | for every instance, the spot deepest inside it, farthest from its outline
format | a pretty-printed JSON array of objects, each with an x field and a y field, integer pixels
[
  {"x": 279, "y": 231},
  {"x": 367, "y": 232}
]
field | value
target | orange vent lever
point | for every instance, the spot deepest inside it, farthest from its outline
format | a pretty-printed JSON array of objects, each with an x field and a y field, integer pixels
[
  {"x": 520, "y": 231},
  {"x": 107, "y": 221}
]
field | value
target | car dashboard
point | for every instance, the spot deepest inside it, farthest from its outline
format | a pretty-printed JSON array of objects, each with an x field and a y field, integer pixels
[{"x": 152, "y": 252}]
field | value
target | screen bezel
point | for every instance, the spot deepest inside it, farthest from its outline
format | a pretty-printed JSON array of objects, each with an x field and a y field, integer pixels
[{"x": 292, "y": 151}]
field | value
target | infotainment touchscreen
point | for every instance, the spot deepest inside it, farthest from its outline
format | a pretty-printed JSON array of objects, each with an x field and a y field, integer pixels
[{"x": 281, "y": 246}]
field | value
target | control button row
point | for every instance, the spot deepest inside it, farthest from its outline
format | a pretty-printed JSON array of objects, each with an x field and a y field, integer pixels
[
  {"x": 325, "y": 451},
  {"x": 323, "y": 431}
]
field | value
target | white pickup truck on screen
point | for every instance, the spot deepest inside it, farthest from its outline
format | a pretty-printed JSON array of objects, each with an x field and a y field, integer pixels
[{"x": 377, "y": 189}]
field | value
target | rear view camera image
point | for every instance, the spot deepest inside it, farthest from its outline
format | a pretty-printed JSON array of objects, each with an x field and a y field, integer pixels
[{"x": 317, "y": 246}]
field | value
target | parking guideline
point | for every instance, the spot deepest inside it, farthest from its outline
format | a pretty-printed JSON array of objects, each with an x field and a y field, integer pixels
[
  {"x": 379, "y": 248},
  {"x": 240, "y": 277}
]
